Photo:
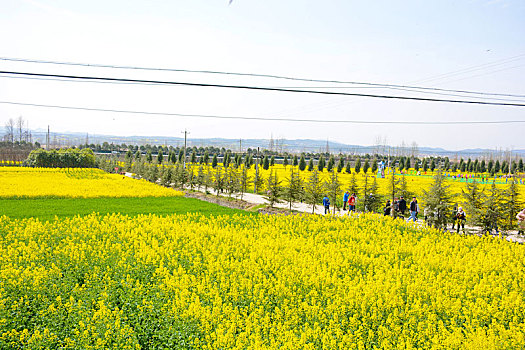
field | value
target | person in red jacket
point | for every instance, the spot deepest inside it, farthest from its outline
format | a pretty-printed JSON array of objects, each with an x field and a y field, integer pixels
[{"x": 351, "y": 203}]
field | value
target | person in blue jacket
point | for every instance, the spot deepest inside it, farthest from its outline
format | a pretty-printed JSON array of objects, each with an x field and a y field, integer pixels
[
  {"x": 345, "y": 199},
  {"x": 326, "y": 204}
]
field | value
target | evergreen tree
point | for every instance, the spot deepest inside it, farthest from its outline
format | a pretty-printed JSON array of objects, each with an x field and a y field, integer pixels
[
  {"x": 272, "y": 161},
  {"x": 333, "y": 189},
  {"x": 511, "y": 204},
  {"x": 266, "y": 163},
  {"x": 416, "y": 164},
  {"x": 194, "y": 157},
  {"x": 475, "y": 199},
  {"x": 293, "y": 190},
  {"x": 490, "y": 167},
  {"x": 137, "y": 155},
  {"x": 244, "y": 180},
  {"x": 206, "y": 158},
  {"x": 191, "y": 177},
  {"x": 181, "y": 156},
  {"x": 285, "y": 161},
  {"x": 497, "y": 167},
  {"x": 469, "y": 165},
  {"x": 393, "y": 187},
  {"x": 432, "y": 165},
  {"x": 403, "y": 188},
  {"x": 514, "y": 167},
  {"x": 401, "y": 164},
  {"x": 311, "y": 164},
  {"x": 226, "y": 160},
  {"x": 274, "y": 192},
  {"x": 455, "y": 167},
  {"x": 214, "y": 161},
  {"x": 321, "y": 164},
  {"x": 438, "y": 201},
  {"x": 366, "y": 166},
  {"x": 331, "y": 163},
  {"x": 296, "y": 161},
  {"x": 374, "y": 166},
  {"x": 166, "y": 177},
  {"x": 353, "y": 187},
  {"x": 149, "y": 157},
  {"x": 231, "y": 182},
  {"x": 340, "y": 164},
  {"x": 218, "y": 180},
  {"x": 407, "y": 163},
  {"x": 302, "y": 163},
  {"x": 160, "y": 157},
  {"x": 357, "y": 166},
  {"x": 258, "y": 182},
  {"x": 313, "y": 190},
  {"x": 492, "y": 209},
  {"x": 348, "y": 168},
  {"x": 424, "y": 165},
  {"x": 180, "y": 176},
  {"x": 371, "y": 197},
  {"x": 248, "y": 162},
  {"x": 521, "y": 167},
  {"x": 505, "y": 167},
  {"x": 482, "y": 167},
  {"x": 200, "y": 177}
]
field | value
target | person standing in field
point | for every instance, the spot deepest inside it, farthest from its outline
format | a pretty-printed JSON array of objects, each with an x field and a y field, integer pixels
[
  {"x": 345, "y": 199},
  {"x": 402, "y": 205},
  {"x": 414, "y": 209},
  {"x": 351, "y": 203},
  {"x": 388, "y": 208},
  {"x": 461, "y": 217},
  {"x": 521, "y": 221},
  {"x": 326, "y": 204}
]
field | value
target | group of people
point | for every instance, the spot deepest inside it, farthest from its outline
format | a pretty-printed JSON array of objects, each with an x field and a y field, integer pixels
[
  {"x": 347, "y": 200},
  {"x": 398, "y": 208}
]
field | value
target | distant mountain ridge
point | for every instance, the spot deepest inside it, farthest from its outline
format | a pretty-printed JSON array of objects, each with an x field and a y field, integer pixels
[{"x": 61, "y": 139}]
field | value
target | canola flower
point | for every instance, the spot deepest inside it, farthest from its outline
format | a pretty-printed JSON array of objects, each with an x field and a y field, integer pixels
[
  {"x": 74, "y": 183},
  {"x": 262, "y": 282}
]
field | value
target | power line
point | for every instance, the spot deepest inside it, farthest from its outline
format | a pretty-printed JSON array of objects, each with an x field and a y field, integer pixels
[
  {"x": 258, "y": 88},
  {"x": 266, "y": 119},
  {"x": 273, "y": 76},
  {"x": 272, "y": 87}
]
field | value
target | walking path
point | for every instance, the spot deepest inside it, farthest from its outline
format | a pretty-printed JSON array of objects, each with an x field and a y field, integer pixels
[{"x": 306, "y": 208}]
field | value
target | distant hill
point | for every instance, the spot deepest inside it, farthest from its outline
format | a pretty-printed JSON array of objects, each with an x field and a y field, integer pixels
[{"x": 299, "y": 145}]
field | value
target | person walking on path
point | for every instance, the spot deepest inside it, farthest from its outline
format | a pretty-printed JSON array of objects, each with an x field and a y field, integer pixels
[
  {"x": 521, "y": 221},
  {"x": 388, "y": 208},
  {"x": 326, "y": 204},
  {"x": 402, "y": 205},
  {"x": 345, "y": 199},
  {"x": 461, "y": 217},
  {"x": 454, "y": 211},
  {"x": 414, "y": 209},
  {"x": 351, "y": 204}
]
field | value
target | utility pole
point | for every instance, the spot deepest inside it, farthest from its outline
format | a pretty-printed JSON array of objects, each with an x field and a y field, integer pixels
[
  {"x": 240, "y": 146},
  {"x": 256, "y": 171},
  {"x": 47, "y": 139},
  {"x": 87, "y": 139},
  {"x": 185, "y": 139}
]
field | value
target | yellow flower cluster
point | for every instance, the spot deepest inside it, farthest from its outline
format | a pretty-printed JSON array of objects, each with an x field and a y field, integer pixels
[
  {"x": 74, "y": 183},
  {"x": 256, "y": 282}
]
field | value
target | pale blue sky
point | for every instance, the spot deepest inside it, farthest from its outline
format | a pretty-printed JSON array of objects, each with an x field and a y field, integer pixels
[{"x": 397, "y": 42}]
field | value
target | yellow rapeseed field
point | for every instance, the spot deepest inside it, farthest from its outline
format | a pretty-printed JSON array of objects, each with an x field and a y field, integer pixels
[
  {"x": 74, "y": 183},
  {"x": 255, "y": 282}
]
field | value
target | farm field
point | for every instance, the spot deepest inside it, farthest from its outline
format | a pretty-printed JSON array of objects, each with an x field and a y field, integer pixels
[{"x": 148, "y": 275}]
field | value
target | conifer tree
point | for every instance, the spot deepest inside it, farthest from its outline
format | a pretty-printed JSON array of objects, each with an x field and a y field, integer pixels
[
  {"x": 206, "y": 158},
  {"x": 181, "y": 156},
  {"x": 258, "y": 182},
  {"x": 244, "y": 180},
  {"x": 218, "y": 180},
  {"x": 497, "y": 167},
  {"x": 371, "y": 197},
  {"x": 416, "y": 164},
  {"x": 424, "y": 165},
  {"x": 407, "y": 163},
  {"x": 180, "y": 176},
  {"x": 490, "y": 167},
  {"x": 512, "y": 205},
  {"x": 137, "y": 155},
  {"x": 333, "y": 189},
  {"x": 348, "y": 168},
  {"x": 340, "y": 164},
  {"x": 226, "y": 160},
  {"x": 149, "y": 156},
  {"x": 438, "y": 201},
  {"x": 366, "y": 166},
  {"x": 200, "y": 177},
  {"x": 357, "y": 166},
  {"x": 353, "y": 187},
  {"x": 266, "y": 163},
  {"x": 274, "y": 189},
  {"x": 492, "y": 209},
  {"x": 302, "y": 163},
  {"x": 432, "y": 165},
  {"x": 231, "y": 183},
  {"x": 248, "y": 162},
  {"x": 296, "y": 161},
  {"x": 311, "y": 164},
  {"x": 214, "y": 161},
  {"x": 403, "y": 188},
  {"x": 321, "y": 164},
  {"x": 285, "y": 161},
  {"x": 194, "y": 157},
  {"x": 167, "y": 176},
  {"x": 314, "y": 190},
  {"x": 475, "y": 198},
  {"x": 374, "y": 166},
  {"x": 272, "y": 161},
  {"x": 160, "y": 157},
  {"x": 292, "y": 192},
  {"x": 331, "y": 163},
  {"x": 191, "y": 177},
  {"x": 401, "y": 163},
  {"x": 393, "y": 187}
]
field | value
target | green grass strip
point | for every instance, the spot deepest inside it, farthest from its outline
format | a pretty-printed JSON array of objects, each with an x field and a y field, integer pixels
[{"x": 48, "y": 208}]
